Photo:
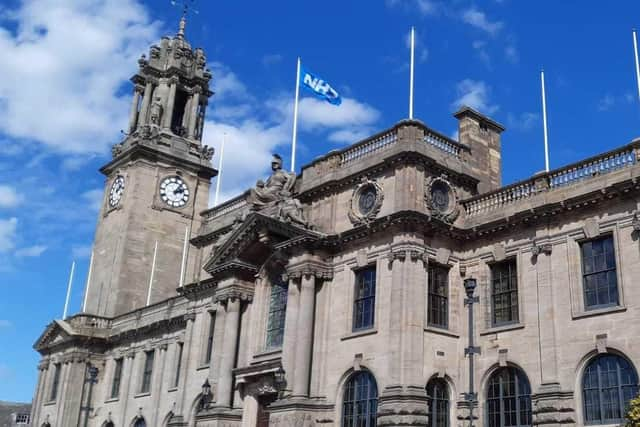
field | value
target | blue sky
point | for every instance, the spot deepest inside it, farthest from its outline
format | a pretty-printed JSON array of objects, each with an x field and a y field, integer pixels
[{"x": 64, "y": 97}]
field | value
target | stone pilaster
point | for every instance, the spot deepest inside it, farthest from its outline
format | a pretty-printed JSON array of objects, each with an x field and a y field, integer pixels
[
  {"x": 193, "y": 114},
  {"x": 144, "y": 108},
  {"x": 403, "y": 406},
  {"x": 133, "y": 113},
  {"x": 185, "y": 368},
  {"x": 304, "y": 340},
  {"x": 290, "y": 333},
  {"x": 553, "y": 407},
  {"x": 171, "y": 100},
  {"x": 229, "y": 349}
]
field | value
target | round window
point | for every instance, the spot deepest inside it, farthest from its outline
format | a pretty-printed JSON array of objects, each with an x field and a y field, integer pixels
[
  {"x": 440, "y": 196},
  {"x": 367, "y": 199}
]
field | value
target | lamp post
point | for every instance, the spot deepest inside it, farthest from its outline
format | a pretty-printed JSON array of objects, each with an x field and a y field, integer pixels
[
  {"x": 205, "y": 400},
  {"x": 92, "y": 379},
  {"x": 471, "y": 397}
]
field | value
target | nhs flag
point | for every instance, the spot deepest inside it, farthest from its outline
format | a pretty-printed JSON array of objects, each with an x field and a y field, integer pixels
[{"x": 319, "y": 87}]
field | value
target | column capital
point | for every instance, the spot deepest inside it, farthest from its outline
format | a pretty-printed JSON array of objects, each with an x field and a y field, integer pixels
[
  {"x": 139, "y": 89},
  {"x": 307, "y": 268}
]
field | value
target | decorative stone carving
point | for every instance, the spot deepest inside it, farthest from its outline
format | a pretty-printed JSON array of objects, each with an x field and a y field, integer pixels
[
  {"x": 116, "y": 150},
  {"x": 441, "y": 199},
  {"x": 591, "y": 228},
  {"x": 273, "y": 197},
  {"x": 366, "y": 202},
  {"x": 635, "y": 222},
  {"x": 499, "y": 252},
  {"x": 206, "y": 153},
  {"x": 541, "y": 248},
  {"x": 155, "y": 111}
]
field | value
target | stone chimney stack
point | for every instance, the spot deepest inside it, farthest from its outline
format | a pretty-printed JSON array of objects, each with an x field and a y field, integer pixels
[{"x": 482, "y": 135}]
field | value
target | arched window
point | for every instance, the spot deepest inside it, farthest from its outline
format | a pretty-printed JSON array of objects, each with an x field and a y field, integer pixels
[
  {"x": 508, "y": 398},
  {"x": 140, "y": 422},
  {"x": 109, "y": 424},
  {"x": 608, "y": 383},
  {"x": 360, "y": 402},
  {"x": 438, "y": 398}
]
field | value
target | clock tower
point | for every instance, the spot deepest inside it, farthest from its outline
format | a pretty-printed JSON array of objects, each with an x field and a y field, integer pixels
[{"x": 157, "y": 183}]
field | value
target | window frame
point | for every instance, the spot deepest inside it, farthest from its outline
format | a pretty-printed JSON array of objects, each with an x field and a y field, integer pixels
[
  {"x": 518, "y": 376},
  {"x": 371, "y": 402},
  {"x": 147, "y": 372},
  {"x": 276, "y": 283},
  {"x": 513, "y": 260},
  {"x": 55, "y": 382},
  {"x": 589, "y": 308},
  {"x": 438, "y": 401},
  {"x": 432, "y": 266},
  {"x": 114, "y": 392},
  {"x": 211, "y": 330},
  {"x": 357, "y": 300},
  {"x": 178, "y": 365},
  {"x": 619, "y": 388}
]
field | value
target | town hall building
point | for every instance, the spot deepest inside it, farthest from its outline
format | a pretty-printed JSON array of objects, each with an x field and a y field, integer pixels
[{"x": 395, "y": 282}]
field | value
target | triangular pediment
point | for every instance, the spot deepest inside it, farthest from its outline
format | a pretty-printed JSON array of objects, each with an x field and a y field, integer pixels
[
  {"x": 55, "y": 333},
  {"x": 251, "y": 242}
]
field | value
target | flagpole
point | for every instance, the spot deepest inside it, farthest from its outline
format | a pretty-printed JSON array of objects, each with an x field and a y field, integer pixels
[
  {"x": 215, "y": 200},
  {"x": 88, "y": 285},
  {"x": 544, "y": 123},
  {"x": 295, "y": 119},
  {"x": 153, "y": 270},
  {"x": 635, "y": 50},
  {"x": 66, "y": 300},
  {"x": 411, "y": 74}
]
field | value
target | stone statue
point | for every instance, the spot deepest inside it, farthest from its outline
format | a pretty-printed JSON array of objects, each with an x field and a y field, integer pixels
[
  {"x": 206, "y": 152},
  {"x": 274, "y": 196},
  {"x": 156, "y": 111},
  {"x": 277, "y": 188}
]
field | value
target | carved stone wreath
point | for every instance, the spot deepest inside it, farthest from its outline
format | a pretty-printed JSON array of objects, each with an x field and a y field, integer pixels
[
  {"x": 441, "y": 199},
  {"x": 366, "y": 202}
]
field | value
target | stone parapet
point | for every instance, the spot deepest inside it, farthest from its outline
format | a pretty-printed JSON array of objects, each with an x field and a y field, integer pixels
[
  {"x": 403, "y": 406},
  {"x": 553, "y": 407}
]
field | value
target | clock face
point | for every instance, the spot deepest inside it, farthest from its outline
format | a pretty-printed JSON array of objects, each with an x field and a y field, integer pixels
[
  {"x": 117, "y": 188},
  {"x": 174, "y": 192}
]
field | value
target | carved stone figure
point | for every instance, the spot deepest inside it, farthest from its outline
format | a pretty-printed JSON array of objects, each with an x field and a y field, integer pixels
[
  {"x": 275, "y": 195},
  {"x": 156, "y": 111},
  {"x": 277, "y": 188},
  {"x": 207, "y": 152}
]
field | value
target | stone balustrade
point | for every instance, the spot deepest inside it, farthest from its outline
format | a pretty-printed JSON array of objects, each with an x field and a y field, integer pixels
[
  {"x": 224, "y": 208},
  {"x": 368, "y": 147},
  {"x": 83, "y": 320},
  {"x": 548, "y": 181},
  {"x": 442, "y": 143}
]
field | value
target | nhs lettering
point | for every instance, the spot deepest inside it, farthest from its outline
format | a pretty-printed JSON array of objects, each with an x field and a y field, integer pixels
[{"x": 319, "y": 87}]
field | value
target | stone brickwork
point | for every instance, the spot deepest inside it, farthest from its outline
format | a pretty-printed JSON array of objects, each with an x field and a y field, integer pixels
[{"x": 397, "y": 204}]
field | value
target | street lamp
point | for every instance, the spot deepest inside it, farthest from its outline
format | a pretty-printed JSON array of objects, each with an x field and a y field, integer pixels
[
  {"x": 205, "y": 400},
  {"x": 471, "y": 396},
  {"x": 93, "y": 379}
]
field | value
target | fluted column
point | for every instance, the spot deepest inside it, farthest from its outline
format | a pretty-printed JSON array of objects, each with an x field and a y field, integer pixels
[
  {"x": 229, "y": 348},
  {"x": 304, "y": 340},
  {"x": 193, "y": 114},
  {"x": 166, "y": 120},
  {"x": 133, "y": 113},
  {"x": 144, "y": 108}
]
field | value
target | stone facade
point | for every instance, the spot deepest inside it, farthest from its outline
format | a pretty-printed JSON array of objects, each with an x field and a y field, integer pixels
[{"x": 353, "y": 247}]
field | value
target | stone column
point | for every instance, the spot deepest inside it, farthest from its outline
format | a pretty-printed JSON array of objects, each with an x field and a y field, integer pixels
[
  {"x": 193, "y": 114},
  {"x": 304, "y": 341},
  {"x": 229, "y": 348},
  {"x": 250, "y": 411},
  {"x": 129, "y": 362},
  {"x": 166, "y": 119},
  {"x": 38, "y": 399},
  {"x": 133, "y": 113},
  {"x": 190, "y": 318},
  {"x": 144, "y": 108},
  {"x": 290, "y": 333}
]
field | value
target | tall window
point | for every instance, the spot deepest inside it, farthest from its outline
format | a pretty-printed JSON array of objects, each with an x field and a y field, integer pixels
[
  {"x": 364, "y": 303},
  {"x": 277, "y": 312},
  {"x": 117, "y": 378},
  {"x": 438, "y": 398},
  {"x": 53, "y": 394},
  {"x": 609, "y": 382},
  {"x": 179, "y": 350},
  {"x": 438, "y": 304},
  {"x": 360, "y": 403},
  {"x": 504, "y": 292},
  {"x": 599, "y": 273},
  {"x": 147, "y": 372},
  {"x": 509, "y": 398},
  {"x": 212, "y": 326}
]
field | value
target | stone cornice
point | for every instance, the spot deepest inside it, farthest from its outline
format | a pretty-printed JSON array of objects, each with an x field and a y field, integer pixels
[
  {"x": 236, "y": 290},
  {"x": 309, "y": 267}
]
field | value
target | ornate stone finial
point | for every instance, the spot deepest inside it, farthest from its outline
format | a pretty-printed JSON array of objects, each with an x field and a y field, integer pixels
[{"x": 183, "y": 24}]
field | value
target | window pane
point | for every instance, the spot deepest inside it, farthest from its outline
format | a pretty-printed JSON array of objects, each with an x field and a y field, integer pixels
[
  {"x": 508, "y": 398},
  {"x": 277, "y": 312},
  {"x": 364, "y": 302},
  {"x": 438, "y": 294},
  {"x": 360, "y": 402},
  {"x": 599, "y": 273},
  {"x": 504, "y": 281}
]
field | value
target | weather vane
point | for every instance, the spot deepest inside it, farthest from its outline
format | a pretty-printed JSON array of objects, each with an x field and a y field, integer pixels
[{"x": 186, "y": 7}]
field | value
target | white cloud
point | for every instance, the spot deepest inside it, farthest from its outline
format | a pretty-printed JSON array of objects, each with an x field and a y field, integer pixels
[
  {"x": 314, "y": 113},
  {"x": 522, "y": 122},
  {"x": 512, "y": 54},
  {"x": 424, "y": 7},
  {"x": 8, "y": 233},
  {"x": 9, "y": 198},
  {"x": 479, "y": 20},
  {"x": 94, "y": 197},
  {"x": 606, "y": 102},
  {"x": 63, "y": 69},
  {"x": 480, "y": 46},
  {"x": 474, "y": 94},
  {"x": 31, "y": 251},
  {"x": 81, "y": 251}
]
